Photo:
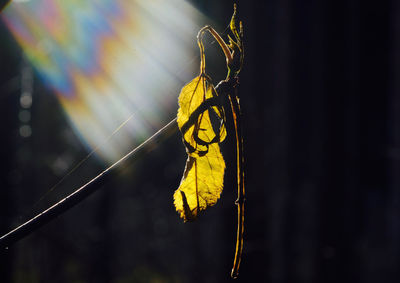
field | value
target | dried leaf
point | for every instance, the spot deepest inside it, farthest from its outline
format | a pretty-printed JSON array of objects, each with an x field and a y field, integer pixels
[
  {"x": 203, "y": 177},
  {"x": 201, "y": 185},
  {"x": 196, "y": 100}
]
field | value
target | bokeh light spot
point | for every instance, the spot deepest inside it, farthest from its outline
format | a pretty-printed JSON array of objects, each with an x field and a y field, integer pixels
[
  {"x": 25, "y": 131},
  {"x": 25, "y": 101}
]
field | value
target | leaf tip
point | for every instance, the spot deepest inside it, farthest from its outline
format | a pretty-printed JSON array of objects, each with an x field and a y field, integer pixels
[{"x": 182, "y": 206}]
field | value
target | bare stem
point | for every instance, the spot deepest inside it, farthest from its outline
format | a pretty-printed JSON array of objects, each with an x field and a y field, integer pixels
[
  {"x": 235, "y": 106},
  {"x": 221, "y": 42}
]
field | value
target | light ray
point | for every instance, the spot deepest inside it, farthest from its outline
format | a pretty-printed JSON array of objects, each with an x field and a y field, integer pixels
[{"x": 107, "y": 60}]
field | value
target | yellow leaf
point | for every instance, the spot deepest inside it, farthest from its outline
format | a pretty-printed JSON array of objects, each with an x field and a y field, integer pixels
[
  {"x": 203, "y": 177},
  {"x": 202, "y": 183},
  {"x": 196, "y": 99}
]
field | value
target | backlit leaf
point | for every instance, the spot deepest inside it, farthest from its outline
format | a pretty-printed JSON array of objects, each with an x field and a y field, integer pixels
[
  {"x": 202, "y": 183},
  {"x": 196, "y": 99},
  {"x": 203, "y": 177}
]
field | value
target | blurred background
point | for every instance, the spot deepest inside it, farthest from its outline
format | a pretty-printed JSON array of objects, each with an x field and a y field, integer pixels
[{"x": 321, "y": 113}]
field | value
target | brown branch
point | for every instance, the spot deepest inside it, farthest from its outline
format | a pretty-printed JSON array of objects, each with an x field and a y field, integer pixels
[{"x": 236, "y": 113}]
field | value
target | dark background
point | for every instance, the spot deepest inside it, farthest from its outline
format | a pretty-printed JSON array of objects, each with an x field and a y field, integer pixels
[{"x": 322, "y": 141}]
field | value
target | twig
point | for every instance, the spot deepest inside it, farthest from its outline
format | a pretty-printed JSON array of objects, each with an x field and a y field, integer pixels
[
  {"x": 80, "y": 194},
  {"x": 237, "y": 120}
]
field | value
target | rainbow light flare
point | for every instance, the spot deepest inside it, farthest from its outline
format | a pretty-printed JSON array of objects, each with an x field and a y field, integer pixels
[{"x": 107, "y": 60}]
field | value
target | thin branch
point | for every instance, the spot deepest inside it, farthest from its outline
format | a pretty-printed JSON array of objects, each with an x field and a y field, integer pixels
[
  {"x": 80, "y": 194},
  {"x": 237, "y": 120}
]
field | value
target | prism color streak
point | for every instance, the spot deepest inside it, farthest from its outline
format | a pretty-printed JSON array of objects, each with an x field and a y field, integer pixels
[{"x": 109, "y": 60}]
